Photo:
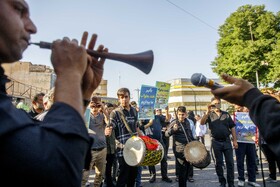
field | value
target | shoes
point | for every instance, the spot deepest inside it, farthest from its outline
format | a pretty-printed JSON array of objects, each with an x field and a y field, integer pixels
[
  {"x": 166, "y": 179},
  {"x": 241, "y": 183},
  {"x": 153, "y": 178},
  {"x": 269, "y": 179},
  {"x": 168, "y": 157},
  {"x": 253, "y": 184},
  {"x": 177, "y": 178},
  {"x": 222, "y": 185},
  {"x": 190, "y": 179}
]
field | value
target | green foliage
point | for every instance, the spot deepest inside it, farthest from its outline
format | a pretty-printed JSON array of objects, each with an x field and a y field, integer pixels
[{"x": 249, "y": 43}]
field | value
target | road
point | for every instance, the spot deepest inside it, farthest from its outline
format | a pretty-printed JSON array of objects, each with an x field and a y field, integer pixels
[{"x": 205, "y": 177}]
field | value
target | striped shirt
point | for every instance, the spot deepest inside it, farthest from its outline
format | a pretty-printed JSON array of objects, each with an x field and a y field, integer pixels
[{"x": 121, "y": 132}]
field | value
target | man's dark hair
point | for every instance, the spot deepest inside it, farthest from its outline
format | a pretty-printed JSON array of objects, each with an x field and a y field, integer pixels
[
  {"x": 95, "y": 99},
  {"x": 36, "y": 97},
  {"x": 122, "y": 91},
  {"x": 191, "y": 113},
  {"x": 109, "y": 105},
  {"x": 133, "y": 103},
  {"x": 182, "y": 109}
]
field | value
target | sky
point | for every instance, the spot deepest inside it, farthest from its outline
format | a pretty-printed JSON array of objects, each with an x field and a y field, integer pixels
[{"x": 182, "y": 34}]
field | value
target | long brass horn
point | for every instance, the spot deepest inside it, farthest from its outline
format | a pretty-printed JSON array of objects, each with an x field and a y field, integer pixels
[{"x": 142, "y": 61}]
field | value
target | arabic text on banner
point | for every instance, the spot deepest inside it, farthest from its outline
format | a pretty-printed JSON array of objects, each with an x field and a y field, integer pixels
[
  {"x": 245, "y": 128},
  {"x": 147, "y": 102},
  {"x": 162, "y": 94}
]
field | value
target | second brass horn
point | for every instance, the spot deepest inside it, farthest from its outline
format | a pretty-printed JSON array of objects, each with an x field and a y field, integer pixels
[{"x": 142, "y": 61}]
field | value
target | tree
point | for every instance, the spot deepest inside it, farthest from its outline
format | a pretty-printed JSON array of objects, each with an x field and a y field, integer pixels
[{"x": 249, "y": 45}]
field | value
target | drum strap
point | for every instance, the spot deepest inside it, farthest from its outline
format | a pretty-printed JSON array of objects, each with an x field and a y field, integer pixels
[
  {"x": 185, "y": 133},
  {"x": 124, "y": 121}
]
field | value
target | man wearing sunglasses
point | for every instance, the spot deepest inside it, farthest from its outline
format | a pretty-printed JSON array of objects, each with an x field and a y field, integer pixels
[
  {"x": 97, "y": 130},
  {"x": 221, "y": 126}
]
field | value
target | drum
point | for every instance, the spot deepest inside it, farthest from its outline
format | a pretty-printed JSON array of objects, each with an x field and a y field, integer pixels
[
  {"x": 135, "y": 152},
  {"x": 197, "y": 155}
]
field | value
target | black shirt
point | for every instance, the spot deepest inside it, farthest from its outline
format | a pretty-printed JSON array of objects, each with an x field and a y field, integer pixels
[
  {"x": 33, "y": 113},
  {"x": 161, "y": 119},
  {"x": 48, "y": 153},
  {"x": 179, "y": 137},
  {"x": 220, "y": 126}
]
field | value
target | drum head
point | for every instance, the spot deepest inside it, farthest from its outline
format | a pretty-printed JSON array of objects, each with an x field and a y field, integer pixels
[
  {"x": 134, "y": 151},
  {"x": 195, "y": 152},
  {"x": 204, "y": 163}
]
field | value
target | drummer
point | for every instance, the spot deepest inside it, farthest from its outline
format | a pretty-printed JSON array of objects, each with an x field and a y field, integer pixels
[
  {"x": 127, "y": 174},
  {"x": 183, "y": 131}
]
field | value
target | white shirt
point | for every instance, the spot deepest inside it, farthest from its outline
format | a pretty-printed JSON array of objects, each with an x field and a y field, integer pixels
[{"x": 200, "y": 129}]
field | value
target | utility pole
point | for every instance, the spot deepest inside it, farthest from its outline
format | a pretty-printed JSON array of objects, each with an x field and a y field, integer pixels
[
  {"x": 194, "y": 94},
  {"x": 252, "y": 38},
  {"x": 119, "y": 76},
  {"x": 138, "y": 91}
]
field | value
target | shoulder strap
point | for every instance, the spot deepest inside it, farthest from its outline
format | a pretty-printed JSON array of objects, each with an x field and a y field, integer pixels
[
  {"x": 184, "y": 132},
  {"x": 124, "y": 121}
]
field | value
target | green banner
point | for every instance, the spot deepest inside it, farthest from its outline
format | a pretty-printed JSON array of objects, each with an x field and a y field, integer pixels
[{"x": 162, "y": 94}]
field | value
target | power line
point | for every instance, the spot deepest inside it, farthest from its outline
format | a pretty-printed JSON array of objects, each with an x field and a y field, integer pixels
[{"x": 195, "y": 17}]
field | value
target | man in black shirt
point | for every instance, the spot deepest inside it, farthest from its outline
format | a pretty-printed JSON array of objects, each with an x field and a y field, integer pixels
[
  {"x": 264, "y": 110},
  {"x": 221, "y": 126},
  {"x": 51, "y": 152},
  {"x": 164, "y": 121}
]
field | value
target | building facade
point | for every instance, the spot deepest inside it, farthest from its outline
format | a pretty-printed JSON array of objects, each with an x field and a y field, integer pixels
[
  {"x": 27, "y": 79},
  {"x": 184, "y": 93}
]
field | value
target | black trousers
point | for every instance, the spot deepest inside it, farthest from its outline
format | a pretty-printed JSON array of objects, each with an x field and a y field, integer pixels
[
  {"x": 223, "y": 149},
  {"x": 247, "y": 150},
  {"x": 183, "y": 169},
  {"x": 127, "y": 174},
  {"x": 110, "y": 158},
  {"x": 190, "y": 169},
  {"x": 163, "y": 166},
  {"x": 272, "y": 161},
  {"x": 165, "y": 143}
]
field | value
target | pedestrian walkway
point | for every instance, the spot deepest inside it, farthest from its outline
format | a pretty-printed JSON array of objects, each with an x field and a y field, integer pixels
[{"x": 205, "y": 178}]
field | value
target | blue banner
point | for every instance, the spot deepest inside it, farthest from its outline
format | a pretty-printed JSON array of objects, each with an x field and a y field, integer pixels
[
  {"x": 147, "y": 102},
  {"x": 87, "y": 117},
  {"x": 245, "y": 128}
]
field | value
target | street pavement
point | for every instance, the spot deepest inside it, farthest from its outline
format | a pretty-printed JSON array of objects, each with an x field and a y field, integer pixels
[{"x": 204, "y": 178}]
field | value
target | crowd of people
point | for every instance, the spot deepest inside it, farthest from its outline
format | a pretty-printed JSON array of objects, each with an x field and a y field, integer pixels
[
  {"x": 51, "y": 146},
  {"x": 185, "y": 127},
  {"x": 109, "y": 133}
]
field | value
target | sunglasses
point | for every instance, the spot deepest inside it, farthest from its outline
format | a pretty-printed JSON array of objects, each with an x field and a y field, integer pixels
[{"x": 95, "y": 106}]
